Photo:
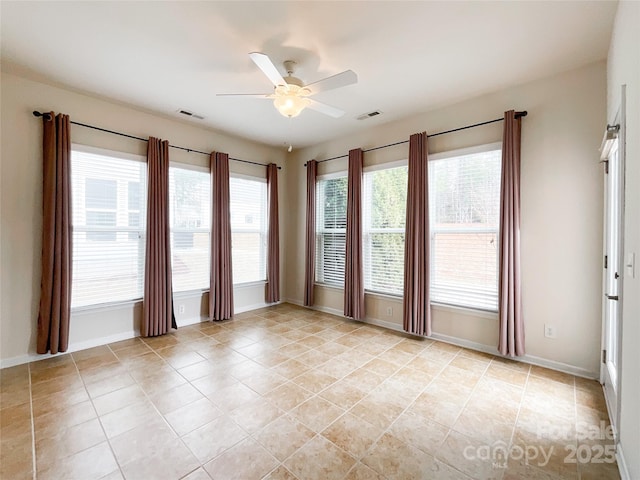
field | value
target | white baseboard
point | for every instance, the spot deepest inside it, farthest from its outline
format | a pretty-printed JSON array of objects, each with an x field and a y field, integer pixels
[
  {"x": 530, "y": 359},
  {"x": 622, "y": 464},
  {"x": 461, "y": 342},
  {"x": 185, "y": 322},
  {"x": 255, "y": 306},
  {"x": 75, "y": 347}
]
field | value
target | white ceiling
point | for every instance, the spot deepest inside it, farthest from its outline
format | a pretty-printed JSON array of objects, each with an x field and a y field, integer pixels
[{"x": 409, "y": 56}]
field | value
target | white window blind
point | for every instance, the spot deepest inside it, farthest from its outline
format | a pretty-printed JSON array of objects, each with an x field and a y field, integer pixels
[
  {"x": 248, "y": 207},
  {"x": 331, "y": 230},
  {"x": 109, "y": 196},
  {"x": 464, "y": 195},
  {"x": 190, "y": 214},
  {"x": 384, "y": 206}
]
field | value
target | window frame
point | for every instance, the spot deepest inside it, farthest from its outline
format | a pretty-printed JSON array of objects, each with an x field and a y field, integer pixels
[
  {"x": 367, "y": 231},
  {"x": 141, "y": 231},
  {"x": 318, "y": 234},
  {"x": 432, "y": 231},
  {"x": 263, "y": 232}
]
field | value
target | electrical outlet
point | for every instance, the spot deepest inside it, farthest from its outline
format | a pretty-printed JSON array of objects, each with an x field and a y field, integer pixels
[
  {"x": 181, "y": 309},
  {"x": 389, "y": 311},
  {"x": 549, "y": 331},
  {"x": 631, "y": 265}
]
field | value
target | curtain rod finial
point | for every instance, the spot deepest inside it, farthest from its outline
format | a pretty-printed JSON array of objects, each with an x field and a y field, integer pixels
[{"x": 46, "y": 116}]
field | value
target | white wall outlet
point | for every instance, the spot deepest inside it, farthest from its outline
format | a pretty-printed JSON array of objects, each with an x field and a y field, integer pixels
[
  {"x": 181, "y": 309},
  {"x": 549, "y": 331},
  {"x": 389, "y": 311}
]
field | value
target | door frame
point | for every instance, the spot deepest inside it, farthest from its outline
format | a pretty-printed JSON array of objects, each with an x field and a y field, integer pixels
[{"x": 613, "y": 397}]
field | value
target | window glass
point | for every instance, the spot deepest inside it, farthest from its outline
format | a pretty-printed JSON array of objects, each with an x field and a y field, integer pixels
[
  {"x": 108, "y": 247},
  {"x": 248, "y": 209},
  {"x": 190, "y": 213},
  {"x": 331, "y": 229},
  {"x": 465, "y": 214},
  {"x": 384, "y": 217}
]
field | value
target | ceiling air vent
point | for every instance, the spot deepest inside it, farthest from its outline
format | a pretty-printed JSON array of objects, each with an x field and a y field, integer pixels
[
  {"x": 364, "y": 116},
  {"x": 187, "y": 113}
]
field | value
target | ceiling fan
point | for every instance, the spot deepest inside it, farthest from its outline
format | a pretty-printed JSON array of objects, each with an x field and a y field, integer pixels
[{"x": 291, "y": 95}]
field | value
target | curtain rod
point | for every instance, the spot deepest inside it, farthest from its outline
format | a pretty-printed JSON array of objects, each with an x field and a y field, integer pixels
[
  {"x": 189, "y": 150},
  {"x": 518, "y": 115}
]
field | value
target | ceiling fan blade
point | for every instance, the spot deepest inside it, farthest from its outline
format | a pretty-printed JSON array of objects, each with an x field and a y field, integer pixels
[
  {"x": 324, "y": 108},
  {"x": 348, "y": 77},
  {"x": 265, "y": 64},
  {"x": 255, "y": 95}
]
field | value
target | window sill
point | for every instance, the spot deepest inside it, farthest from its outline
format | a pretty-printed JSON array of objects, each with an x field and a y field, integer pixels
[
  {"x": 249, "y": 284},
  {"x": 190, "y": 293},
  {"x": 101, "y": 307},
  {"x": 470, "y": 311}
]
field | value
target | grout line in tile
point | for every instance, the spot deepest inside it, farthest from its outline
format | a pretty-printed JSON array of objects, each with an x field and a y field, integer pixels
[{"x": 96, "y": 412}]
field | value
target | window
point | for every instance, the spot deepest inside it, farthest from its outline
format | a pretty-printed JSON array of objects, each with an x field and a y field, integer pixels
[
  {"x": 384, "y": 205},
  {"x": 100, "y": 207},
  {"x": 464, "y": 195},
  {"x": 108, "y": 242},
  {"x": 331, "y": 229},
  {"x": 248, "y": 208},
  {"x": 190, "y": 213}
]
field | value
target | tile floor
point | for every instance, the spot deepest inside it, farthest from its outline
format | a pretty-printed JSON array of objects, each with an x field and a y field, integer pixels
[{"x": 290, "y": 393}]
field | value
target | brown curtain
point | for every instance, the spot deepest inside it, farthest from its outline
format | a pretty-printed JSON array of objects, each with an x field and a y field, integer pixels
[
  {"x": 221, "y": 284},
  {"x": 353, "y": 268},
  {"x": 416, "y": 305},
  {"x": 55, "y": 285},
  {"x": 158, "y": 317},
  {"x": 273, "y": 237},
  {"x": 310, "y": 234},
  {"x": 511, "y": 340}
]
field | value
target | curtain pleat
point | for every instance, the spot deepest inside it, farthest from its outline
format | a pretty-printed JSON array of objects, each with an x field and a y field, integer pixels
[
  {"x": 221, "y": 284},
  {"x": 273, "y": 237},
  {"x": 353, "y": 267},
  {"x": 158, "y": 316},
  {"x": 310, "y": 234},
  {"x": 55, "y": 286},
  {"x": 511, "y": 337},
  {"x": 416, "y": 304}
]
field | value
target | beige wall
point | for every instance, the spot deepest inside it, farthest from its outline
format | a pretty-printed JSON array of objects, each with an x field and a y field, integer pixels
[
  {"x": 20, "y": 204},
  {"x": 561, "y": 212},
  {"x": 624, "y": 69}
]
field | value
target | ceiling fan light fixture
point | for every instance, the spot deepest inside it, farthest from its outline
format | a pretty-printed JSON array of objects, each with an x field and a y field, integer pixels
[{"x": 290, "y": 100}]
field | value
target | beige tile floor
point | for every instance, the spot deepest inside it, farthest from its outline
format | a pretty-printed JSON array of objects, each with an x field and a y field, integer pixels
[{"x": 290, "y": 393}]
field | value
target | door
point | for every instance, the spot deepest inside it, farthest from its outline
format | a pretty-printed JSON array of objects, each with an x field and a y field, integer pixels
[{"x": 613, "y": 157}]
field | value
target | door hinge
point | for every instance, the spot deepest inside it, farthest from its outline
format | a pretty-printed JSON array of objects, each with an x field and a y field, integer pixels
[
  {"x": 604, "y": 356},
  {"x": 606, "y": 261}
]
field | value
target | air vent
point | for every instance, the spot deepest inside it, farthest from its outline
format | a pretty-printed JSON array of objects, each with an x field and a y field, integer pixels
[
  {"x": 364, "y": 116},
  {"x": 187, "y": 113}
]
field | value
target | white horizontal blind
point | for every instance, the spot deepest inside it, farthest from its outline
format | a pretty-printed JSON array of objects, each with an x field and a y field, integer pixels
[
  {"x": 464, "y": 195},
  {"x": 384, "y": 214},
  {"x": 190, "y": 214},
  {"x": 109, "y": 197},
  {"x": 331, "y": 230},
  {"x": 248, "y": 206}
]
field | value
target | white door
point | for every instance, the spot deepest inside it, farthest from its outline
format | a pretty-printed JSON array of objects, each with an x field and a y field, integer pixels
[{"x": 613, "y": 155}]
